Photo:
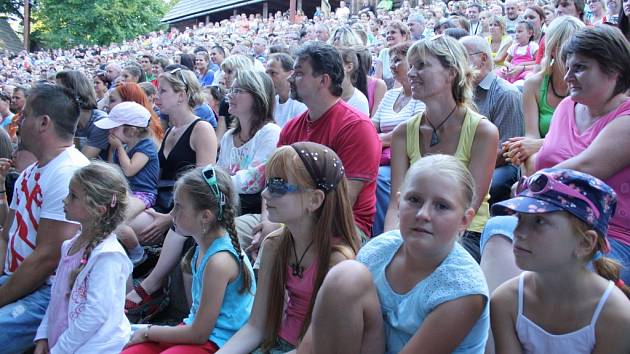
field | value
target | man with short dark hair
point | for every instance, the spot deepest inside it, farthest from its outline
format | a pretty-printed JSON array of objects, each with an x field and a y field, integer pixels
[
  {"x": 36, "y": 224},
  {"x": 217, "y": 55},
  {"x": 472, "y": 13},
  {"x": 146, "y": 62},
  {"x": 280, "y": 68}
]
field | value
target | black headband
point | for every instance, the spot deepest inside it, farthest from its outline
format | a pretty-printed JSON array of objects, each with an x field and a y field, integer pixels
[{"x": 325, "y": 169}]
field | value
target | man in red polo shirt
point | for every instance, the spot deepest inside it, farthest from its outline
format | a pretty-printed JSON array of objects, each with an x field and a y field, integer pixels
[{"x": 316, "y": 82}]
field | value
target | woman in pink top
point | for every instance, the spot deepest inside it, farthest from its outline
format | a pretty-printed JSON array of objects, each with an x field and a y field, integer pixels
[
  {"x": 589, "y": 132},
  {"x": 307, "y": 192}
]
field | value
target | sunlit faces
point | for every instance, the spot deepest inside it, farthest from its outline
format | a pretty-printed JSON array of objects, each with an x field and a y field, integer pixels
[
  {"x": 75, "y": 204},
  {"x": 532, "y": 17},
  {"x": 200, "y": 63},
  {"x": 114, "y": 99},
  {"x": 167, "y": 99},
  {"x": 393, "y": 36},
  {"x": 303, "y": 83},
  {"x": 289, "y": 207},
  {"x": 587, "y": 83},
  {"x": 432, "y": 213},
  {"x": 544, "y": 241},
  {"x": 186, "y": 219},
  {"x": 241, "y": 101},
  {"x": 129, "y": 77},
  {"x": 567, "y": 7},
  {"x": 277, "y": 74},
  {"x": 99, "y": 86},
  {"x": 428, "y": 77},
  {"x": 18, "y": 100},
  {"x": 398, "y": 65},
  {"x": 523, "y": 34}
]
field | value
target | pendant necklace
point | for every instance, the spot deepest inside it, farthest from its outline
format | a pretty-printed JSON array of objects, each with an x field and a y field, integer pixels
[
  {"x": 435, "y": 139},
  {"x": 298, "y": 270}
]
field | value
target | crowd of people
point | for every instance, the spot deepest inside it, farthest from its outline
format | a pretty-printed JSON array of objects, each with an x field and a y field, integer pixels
[{"x": 438, "y": 178}]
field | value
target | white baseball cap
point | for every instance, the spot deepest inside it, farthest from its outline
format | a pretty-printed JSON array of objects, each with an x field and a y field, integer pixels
[{"x": 125, "y": 113}]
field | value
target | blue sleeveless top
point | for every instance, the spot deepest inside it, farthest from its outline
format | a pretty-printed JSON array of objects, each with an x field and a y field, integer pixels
[{"x": 236, "y": 307}]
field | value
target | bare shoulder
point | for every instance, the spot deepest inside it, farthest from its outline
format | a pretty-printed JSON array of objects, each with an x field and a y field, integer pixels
[
  {"x": 534, "y": 81},
  {"x": 487, "y": 130},
  {"x": 506, "y": 295},
  {"x": 613, "y": 324},
  {"x": 340, "y": 253}
]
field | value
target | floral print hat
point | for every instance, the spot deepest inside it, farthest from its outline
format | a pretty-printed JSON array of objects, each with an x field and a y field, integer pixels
[{"x": 556, "y": 189}]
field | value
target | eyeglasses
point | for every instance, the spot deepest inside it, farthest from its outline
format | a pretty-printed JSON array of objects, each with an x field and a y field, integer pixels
[
  {"x": 236, "y": 91},
  {"x": 210, "y": 175},
  {"x": 180, "y": 76},
  {"x": 541, "y": 183},
  {"x": 475, "y": 53},
  {"x": 278, "y": 187}
]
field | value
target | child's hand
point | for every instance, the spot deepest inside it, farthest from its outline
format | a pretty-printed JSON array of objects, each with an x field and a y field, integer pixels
[
  {"x": 41, "y": 347},
  {"x": 5, "y": 167},
  {"x": 114, "y": 141},
  {"x": 138, "y": 337}
]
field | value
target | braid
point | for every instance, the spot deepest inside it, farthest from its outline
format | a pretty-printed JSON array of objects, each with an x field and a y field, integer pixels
[
  {"x": 94, "y": 242},
  {"x": 228, "y": 223}
]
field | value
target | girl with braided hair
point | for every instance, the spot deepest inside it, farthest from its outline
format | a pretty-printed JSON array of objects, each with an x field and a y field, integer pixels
[
  {"x": 86, "y": 309},
  {"x": 307, "y": 191},
  {"x": 223, "y": 285}
]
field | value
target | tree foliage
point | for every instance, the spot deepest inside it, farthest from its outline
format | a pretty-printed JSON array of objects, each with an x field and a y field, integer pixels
[
  {"x": 66, "y": 23},
  {"x": 12, "y": 7}
]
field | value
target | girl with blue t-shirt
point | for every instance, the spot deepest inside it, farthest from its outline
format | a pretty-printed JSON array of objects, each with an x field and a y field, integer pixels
[
  {"x": 413, "y": 290},
  {"x": 133, "y": 150},
  {"x": 223, "y": 281}
]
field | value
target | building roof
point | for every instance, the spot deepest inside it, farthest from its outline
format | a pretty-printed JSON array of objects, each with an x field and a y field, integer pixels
[
  {"x": 187, "y": 9},
  {"x": 8, "y": 39}
]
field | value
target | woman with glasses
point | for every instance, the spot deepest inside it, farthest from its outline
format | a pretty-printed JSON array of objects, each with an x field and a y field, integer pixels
[
  {"x": 597, "y": 14},
  {"x": 230, "y": 67},
  {"x": 588, "y": 133},
  {"x": 441, "y": 77},
  {"x": 189, "y": 142},
  {"x": 246, "y": 148}
]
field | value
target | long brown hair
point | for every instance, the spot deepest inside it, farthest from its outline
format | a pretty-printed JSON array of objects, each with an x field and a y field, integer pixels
[{"x": 333, "y": 219}]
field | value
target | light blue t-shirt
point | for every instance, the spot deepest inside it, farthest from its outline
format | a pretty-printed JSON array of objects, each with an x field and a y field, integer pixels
[
  {"x": 458, "y": 275},
  {"x": 236, "y": 307}
]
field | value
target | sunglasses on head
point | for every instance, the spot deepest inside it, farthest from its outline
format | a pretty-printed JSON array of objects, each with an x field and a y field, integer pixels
[
  {"x": 278, "y": 187},
  {"x": 210, "y": 175},
  {"x": 541, "y": 183},
  {"x": 180, "y": 76}
]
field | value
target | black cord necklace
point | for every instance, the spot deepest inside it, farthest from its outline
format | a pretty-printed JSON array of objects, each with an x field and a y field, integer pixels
[
  {"x": 435, "y": 139},
  {"x": 298, "y": 270},
  {"x": 553, "y": 89}
]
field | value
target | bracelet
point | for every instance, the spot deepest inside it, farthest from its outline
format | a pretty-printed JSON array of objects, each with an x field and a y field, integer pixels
[{"x": 146, "y": 334}]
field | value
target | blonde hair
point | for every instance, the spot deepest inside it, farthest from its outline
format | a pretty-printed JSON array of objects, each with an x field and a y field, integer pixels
[
  {"x": 445, "y": 165},
  {"x": 197, "y": 189},
  {"x": 558, "y": 33},
  {"x": 191, "y": 86},
  {"x": 237, "y": 62},
  {"x": 347, "y": 37},
  {"x": 452, "y": 55},
  {"x": 104, "y": 186}
]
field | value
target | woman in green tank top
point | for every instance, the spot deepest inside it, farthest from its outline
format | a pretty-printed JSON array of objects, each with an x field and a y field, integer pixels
[
  {"x": 440, "y": 76},
  {"x": 542, "y": 92}
]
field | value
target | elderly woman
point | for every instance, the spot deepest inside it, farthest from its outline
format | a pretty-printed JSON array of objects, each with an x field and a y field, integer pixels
[
  {"x": 440, "y": 76},
  {"x": 397, "y": 106},
  {"x": 588, "y": 133}
]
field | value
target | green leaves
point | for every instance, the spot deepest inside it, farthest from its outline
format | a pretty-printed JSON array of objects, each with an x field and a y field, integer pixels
[{"x": 65, "y": 23}]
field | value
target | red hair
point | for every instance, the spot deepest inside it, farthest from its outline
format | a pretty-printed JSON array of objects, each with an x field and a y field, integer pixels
[{"x": 133, "y": 92}]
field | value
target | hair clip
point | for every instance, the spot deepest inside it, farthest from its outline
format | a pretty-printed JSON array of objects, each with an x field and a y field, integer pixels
[
  {"x": 114, "y": 200},
  {"x": 83, "y": 261},
  {"x": 597, "y": 256},
  {"x": 620, "y": 283}
]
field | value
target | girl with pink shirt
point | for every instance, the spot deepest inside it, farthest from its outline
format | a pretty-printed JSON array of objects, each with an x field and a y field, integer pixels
[
  {"x": 306, "y": 190},
  {"x": 521, "y": 55}
]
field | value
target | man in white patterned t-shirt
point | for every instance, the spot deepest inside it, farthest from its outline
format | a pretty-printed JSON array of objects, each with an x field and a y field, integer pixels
[{"x": 36, "y": 225}]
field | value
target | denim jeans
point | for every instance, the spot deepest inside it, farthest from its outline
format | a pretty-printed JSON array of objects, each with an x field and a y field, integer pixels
[
  {"x": 503, "y": 178},
  {"x": 19, "y": 320},
  {"x": 383, "y": 188}
]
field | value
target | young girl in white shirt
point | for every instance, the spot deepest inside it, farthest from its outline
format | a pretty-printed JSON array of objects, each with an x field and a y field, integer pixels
[{"x": 86, "y": 309}]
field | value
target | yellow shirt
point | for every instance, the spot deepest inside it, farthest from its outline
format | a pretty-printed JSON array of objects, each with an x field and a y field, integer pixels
[{"x": 464, "y": 147}]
